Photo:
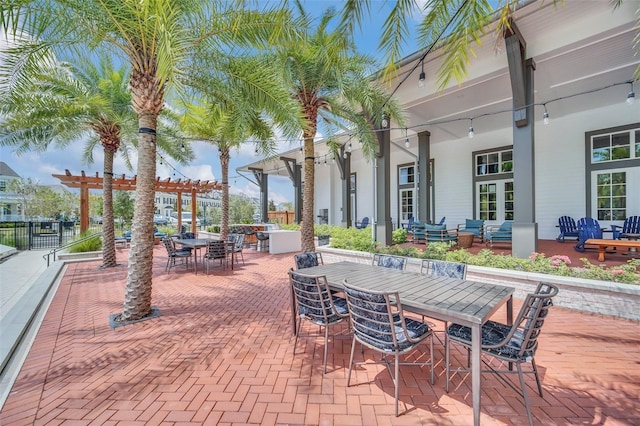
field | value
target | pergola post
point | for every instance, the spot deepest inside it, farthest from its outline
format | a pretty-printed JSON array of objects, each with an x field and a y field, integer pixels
[{"x": 84, "y": 207}]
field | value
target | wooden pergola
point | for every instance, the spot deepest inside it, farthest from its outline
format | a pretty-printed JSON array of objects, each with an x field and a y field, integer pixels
[{"x": 123, "y": 183}]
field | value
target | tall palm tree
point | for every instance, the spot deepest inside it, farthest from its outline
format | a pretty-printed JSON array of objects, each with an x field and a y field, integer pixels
[
  {"x": 59, "y": 103},
  {"x": 156, "y": 38},
  {"x": 234, "y": 102},
  {"x": 330, "y": 80}
]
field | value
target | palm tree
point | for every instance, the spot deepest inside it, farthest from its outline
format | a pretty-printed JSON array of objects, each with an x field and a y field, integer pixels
[
  {"x": 227, "y": 111},
  {"x": 61, "y": 103},
  {"x": 329, "y": 80},
  {"x": 156, "y": 38}
]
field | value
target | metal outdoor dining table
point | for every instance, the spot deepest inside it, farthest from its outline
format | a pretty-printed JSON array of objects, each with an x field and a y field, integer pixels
[
  {"x": 464, "y": 302},
  {"x": 197, "y": 244}
]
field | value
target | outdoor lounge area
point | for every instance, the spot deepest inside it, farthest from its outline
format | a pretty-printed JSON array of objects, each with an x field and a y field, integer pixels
[{"x": 221, "y": 352}]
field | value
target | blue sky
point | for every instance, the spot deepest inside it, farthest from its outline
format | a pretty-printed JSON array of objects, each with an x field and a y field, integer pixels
[{"x": 206, "y": 166}]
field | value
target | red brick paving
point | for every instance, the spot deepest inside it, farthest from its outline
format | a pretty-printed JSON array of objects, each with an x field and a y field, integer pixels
[{"x": 221, "y": 353}]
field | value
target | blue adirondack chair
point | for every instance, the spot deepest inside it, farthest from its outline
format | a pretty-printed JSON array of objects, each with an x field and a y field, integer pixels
[
  {"x": 631, "y": 226},
  {"x": 587, "y": 228},
  {"x": 568, "y": 228},
  {"x": 363, "y": 224}
]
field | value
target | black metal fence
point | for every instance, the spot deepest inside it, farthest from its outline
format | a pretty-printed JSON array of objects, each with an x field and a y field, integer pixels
[{"x": 37, "y": 235}]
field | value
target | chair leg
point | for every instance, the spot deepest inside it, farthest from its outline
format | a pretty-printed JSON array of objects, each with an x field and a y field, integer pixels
[
  {"x": 535, "y": 373},
  {"x": 297, "y": 332},
  {"x": 326, "y": 344},
  {"x": 353, "y": 349},
  {"x": 396, "y": 380},
  {"x": 433, "y": 378},
  {"x": 524, "y": 393},
  {"x": 446, "y": 362}
]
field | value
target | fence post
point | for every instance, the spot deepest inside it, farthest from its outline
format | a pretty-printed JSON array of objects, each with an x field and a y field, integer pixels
[{"x": 30, "y": 233}]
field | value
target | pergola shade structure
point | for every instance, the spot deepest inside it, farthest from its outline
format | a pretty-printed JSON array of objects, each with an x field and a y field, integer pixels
[{"x": 123, "y": 183}]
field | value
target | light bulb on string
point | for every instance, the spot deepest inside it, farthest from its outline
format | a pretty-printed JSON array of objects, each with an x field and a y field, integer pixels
[
  {"x": 182, "y": 147},
  {"x": 471, "y": 134},
  {"x": 545, "y": 116},
  {"x": 422, "y": 76},
  {"x": 407, "y": 144},
  {"x": 349, "y": 147},
  {"x": 631, "y": 96}
]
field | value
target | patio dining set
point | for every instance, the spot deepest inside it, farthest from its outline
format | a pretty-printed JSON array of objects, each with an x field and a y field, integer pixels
[
  {"x": 224, "y": 252},
  {"x": 388, "y": 308}
]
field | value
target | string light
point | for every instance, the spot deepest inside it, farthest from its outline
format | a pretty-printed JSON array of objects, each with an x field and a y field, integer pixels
[
  {"x": 406, "y": 138},
  {"x": 422, "y": 76},
  {"x": 545, "y": 116},
  {"x": 470, "y": 134},
  {"x": 384, "y": 121},
  {"x": 631, "y": 97},
  {"x": 182, "y": 148}
]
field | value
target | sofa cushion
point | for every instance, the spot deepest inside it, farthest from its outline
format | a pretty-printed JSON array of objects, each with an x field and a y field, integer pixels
[
  {"x": 472, "y": 223},
  {"x": 506, "y": 226},
  {"x": 435, "y": 227}
]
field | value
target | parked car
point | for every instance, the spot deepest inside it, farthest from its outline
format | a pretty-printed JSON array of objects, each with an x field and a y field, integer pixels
[
  {"x": 158, "y": 219},
  {"x": 186, "y": 219}
]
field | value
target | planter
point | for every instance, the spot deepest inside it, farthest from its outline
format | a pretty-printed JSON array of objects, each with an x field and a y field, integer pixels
[
  {"x": 598, "y": 297},
  {"x": 70, "y": 257}
]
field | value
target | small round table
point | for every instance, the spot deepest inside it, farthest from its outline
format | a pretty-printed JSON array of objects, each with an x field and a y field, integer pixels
[{"x": 465, "y": 239}]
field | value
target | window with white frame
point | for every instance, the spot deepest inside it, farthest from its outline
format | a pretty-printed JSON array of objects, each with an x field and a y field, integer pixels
[
  {"x": 616, "y": 146},
  {"x": 406, "y": 175},
  {"x": 613, "y": 165},
  {"x": 491, "y": 163},
  {"x": 611, "y": 196}
]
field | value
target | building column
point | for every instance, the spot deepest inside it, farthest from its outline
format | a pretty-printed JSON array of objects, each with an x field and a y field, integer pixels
[
  {"x": 383, "y": 226},
  {"x": 521, "y": 70},
  {"x": 423, "y": 205},
  {"x": 263, "y": 183},
  {"x": 344, "y": 167}
]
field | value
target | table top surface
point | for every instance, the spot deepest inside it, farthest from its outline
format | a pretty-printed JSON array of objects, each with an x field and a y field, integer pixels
[
  {"x": 197, "y": 242},
  {"x": 449, "y": 299}
]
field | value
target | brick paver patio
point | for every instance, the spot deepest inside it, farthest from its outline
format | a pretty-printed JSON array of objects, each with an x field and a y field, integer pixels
[{"x": 221, "y": 353}]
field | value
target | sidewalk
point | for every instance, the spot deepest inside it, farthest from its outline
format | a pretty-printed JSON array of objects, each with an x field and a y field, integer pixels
[
  {"x": 18, "y": 272},
  {"x": 25, "y": 284}
]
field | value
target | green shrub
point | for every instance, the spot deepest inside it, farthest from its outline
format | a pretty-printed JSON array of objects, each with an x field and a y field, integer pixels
[
  {"x": 92, "y": 244},
  {"x": 399, "y": 236}
]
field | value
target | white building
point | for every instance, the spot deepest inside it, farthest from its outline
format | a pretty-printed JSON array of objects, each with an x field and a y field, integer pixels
[
  {"x": 11, "y": 205},
  {"x": 575, "y": 62},
  {"x": 166, "y": 203}
]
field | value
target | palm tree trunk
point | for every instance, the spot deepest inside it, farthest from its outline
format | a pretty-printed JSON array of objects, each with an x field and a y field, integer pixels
[
  {"x": 137, "y": 302},
  {"x": 306, "y": 229},
  {"x": 108, "y": 231},
  {"x": 224, "y": 165}
]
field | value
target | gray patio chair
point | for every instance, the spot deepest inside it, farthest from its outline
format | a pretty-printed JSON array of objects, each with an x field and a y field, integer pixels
[
  {"x": 308, "y": 260},
  {"x": 174, "y": 254},
  {"x": 390, "y": 261},
  {"x": 238, "y": 245},
  {"x": 442, "y": 268},
  {"x": 262, "y": 241},
  {"x": 515, "y": 343},
  {"x": 316, "y": 304},
  {"x": 378, "y": 323},
  {"x": 216, "y": 251}
]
